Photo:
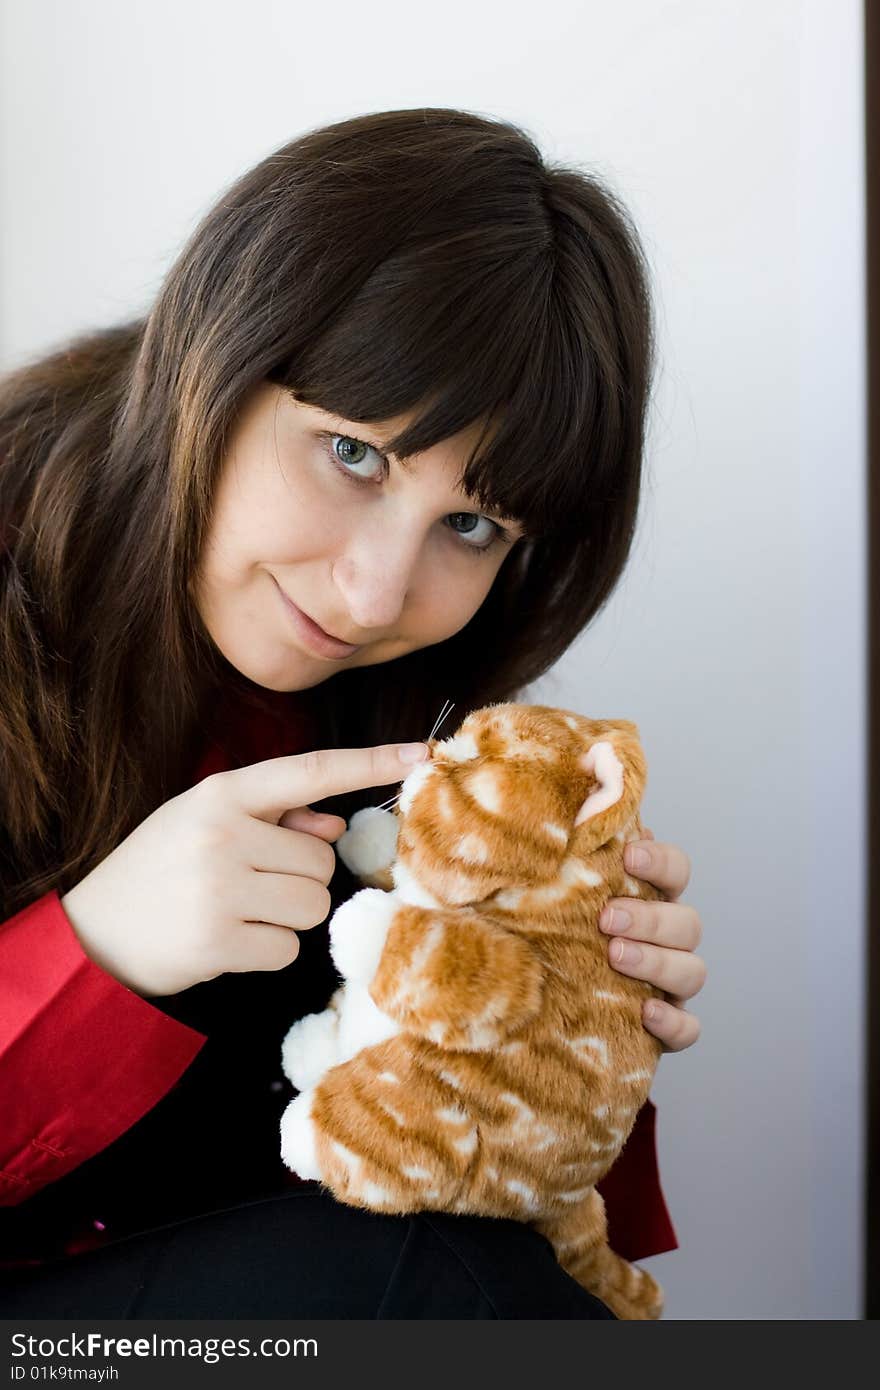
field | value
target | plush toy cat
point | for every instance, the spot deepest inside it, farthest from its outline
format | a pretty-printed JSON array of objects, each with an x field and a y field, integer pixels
[{"x": 482, "y": 1056}]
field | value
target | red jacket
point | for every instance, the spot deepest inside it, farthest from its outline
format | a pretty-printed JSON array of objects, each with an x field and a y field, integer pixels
[{"x": 120, "y": 1113}]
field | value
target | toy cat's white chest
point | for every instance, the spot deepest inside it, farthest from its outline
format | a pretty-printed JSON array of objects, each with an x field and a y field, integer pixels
[
  {"x": 361, "y": 1022},
  {"x": 358, "y": 932}
]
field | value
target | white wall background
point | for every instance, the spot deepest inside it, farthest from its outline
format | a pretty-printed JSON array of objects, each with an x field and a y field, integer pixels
[{"x": 733, "y": 130}]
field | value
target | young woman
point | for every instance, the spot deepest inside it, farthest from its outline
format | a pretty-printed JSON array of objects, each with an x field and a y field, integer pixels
[{"x": 377, "y": 445}]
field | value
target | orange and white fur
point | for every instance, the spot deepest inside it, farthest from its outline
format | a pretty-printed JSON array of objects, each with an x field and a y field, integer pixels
[{"x": 482, "y": 1056}]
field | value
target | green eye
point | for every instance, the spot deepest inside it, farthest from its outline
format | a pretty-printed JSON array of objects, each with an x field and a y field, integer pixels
[
  {"x": 346, "y": 456},
  {"x": 471, "y": 522}
]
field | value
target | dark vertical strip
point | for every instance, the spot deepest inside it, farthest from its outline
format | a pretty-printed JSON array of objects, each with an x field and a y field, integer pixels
[{"x": 872, "y": 187}]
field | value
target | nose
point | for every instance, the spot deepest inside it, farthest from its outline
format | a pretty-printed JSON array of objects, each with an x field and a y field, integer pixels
[{"x": 374, "y": 579}]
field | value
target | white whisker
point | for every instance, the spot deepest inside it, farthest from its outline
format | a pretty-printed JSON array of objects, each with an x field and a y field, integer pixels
[
  {"x": 448, "y": 707},
  {"x": 442, "y": 715}
]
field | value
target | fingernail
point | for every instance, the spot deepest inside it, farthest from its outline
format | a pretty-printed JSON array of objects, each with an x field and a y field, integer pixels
[
  {"x": 615, "y": 919},
  {"x": 412, "y": 752},
  {"x": 651, "y": 1012},
  {"x": 625, "y": 953},
  {"x": 637, "y": 859}
]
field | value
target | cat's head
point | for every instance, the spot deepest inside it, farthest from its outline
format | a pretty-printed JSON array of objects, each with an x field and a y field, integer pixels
[{"x": 511, "y": 794}]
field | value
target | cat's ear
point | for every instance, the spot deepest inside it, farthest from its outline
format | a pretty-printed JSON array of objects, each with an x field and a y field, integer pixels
[
  {"x": 602, "y": 762},
  {"x": 615, "y": 765}
]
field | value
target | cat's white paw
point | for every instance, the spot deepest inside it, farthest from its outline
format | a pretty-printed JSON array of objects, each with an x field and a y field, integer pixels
[
  {"x": 358, "y": 929},
  {"x": 311, "y": 1047},
  {"x": 298, "y": 1137}
]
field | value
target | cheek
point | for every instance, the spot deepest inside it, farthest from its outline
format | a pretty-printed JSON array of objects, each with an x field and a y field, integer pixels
[
  {"x": 286, "y": 524},
  {"x": 314, "y": 516},
  {"x": 456, "y": 596}
]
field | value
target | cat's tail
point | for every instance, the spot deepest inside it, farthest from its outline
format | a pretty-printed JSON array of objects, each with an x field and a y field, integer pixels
[{"x": 579, "y": 1237}]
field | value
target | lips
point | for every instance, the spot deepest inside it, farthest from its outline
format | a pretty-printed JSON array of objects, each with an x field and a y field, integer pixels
[
  {"x": 315, "y": 636},
  {"x": 331, "y": 635}
]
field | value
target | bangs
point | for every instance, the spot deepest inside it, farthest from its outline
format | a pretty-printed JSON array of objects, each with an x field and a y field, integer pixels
[{"x": 499, "y": 349}]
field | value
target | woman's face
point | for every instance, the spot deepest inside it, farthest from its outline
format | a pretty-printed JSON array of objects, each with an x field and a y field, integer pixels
[{"x": 386, "y": 558}]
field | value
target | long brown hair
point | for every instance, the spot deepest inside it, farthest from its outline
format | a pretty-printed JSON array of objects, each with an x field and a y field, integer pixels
[{"x": 423, "y": 262}]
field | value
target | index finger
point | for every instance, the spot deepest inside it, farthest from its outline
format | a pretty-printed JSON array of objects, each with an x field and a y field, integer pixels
[{"x": 268, "y": 789}]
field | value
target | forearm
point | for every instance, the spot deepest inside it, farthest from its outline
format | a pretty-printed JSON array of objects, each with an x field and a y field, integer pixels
[{"x": 82, "y": 1058}]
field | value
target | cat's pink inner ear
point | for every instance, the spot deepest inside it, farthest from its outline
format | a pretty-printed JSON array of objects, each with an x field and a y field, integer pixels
[{"x": 602, "y": 761}]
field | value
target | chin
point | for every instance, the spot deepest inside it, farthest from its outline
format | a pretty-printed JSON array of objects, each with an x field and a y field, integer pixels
[{"x": 280, "y": 683}]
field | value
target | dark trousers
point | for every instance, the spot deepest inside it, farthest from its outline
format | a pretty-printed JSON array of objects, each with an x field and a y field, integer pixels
[{"x": 304, "y": 1255}]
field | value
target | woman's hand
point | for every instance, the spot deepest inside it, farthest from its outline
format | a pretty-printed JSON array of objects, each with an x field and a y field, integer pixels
[
  {"x": 222, "y": 877},
  {"x": 658, "y": 944}
]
